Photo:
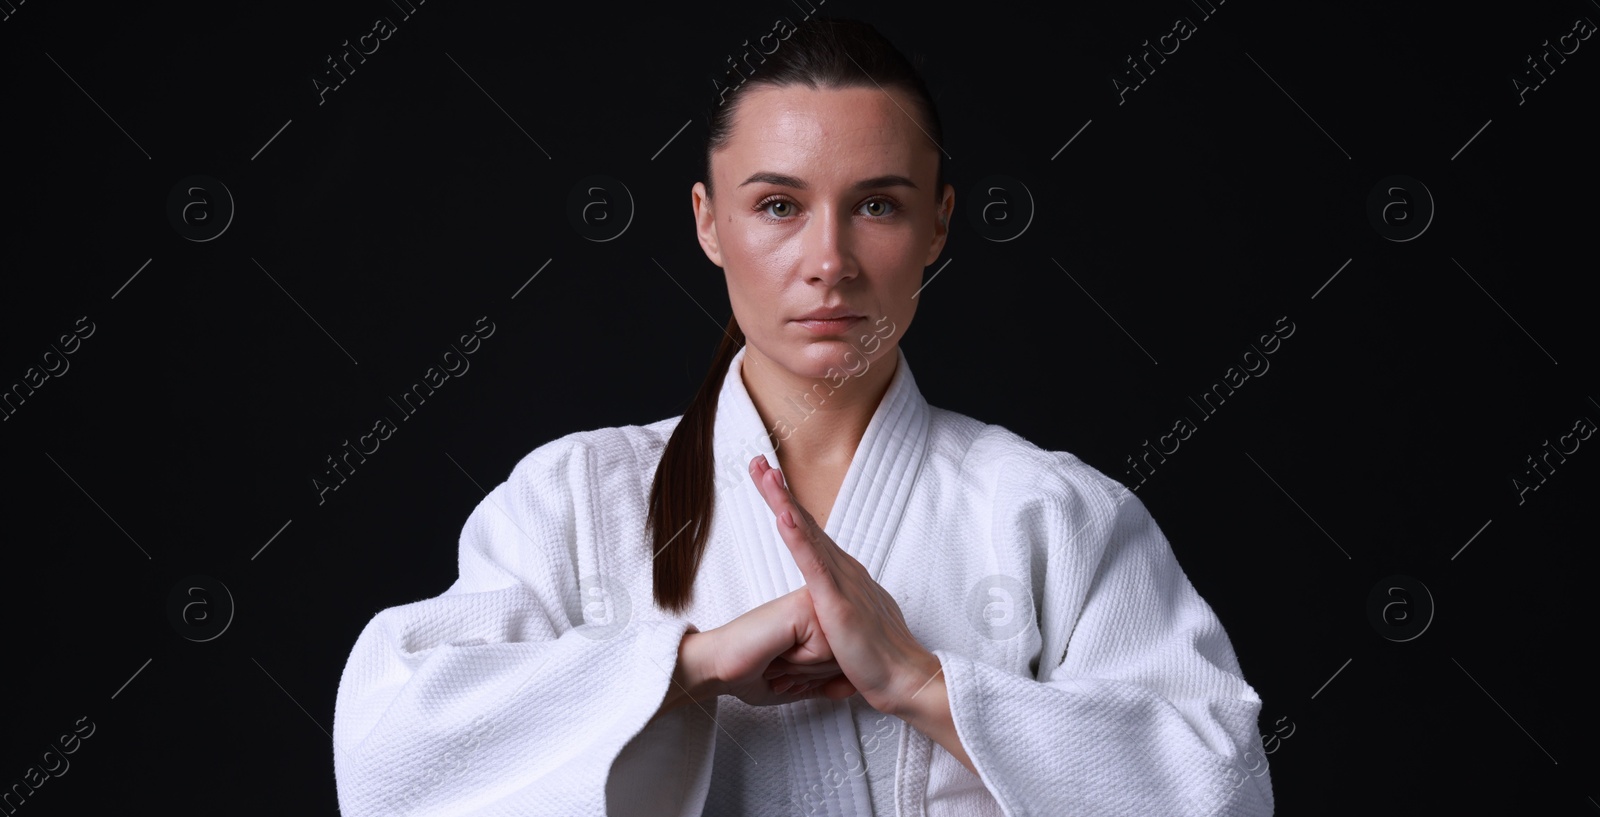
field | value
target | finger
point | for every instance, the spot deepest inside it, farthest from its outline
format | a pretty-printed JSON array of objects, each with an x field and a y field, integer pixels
[
  {"x": 811, "y": 651},
  {"x": 835, "y": 689},
  {"x": 781, "y": 667},
  {"x": 807, "y": 653},
  {"x": 775, "y": 490},
  {"x": 838, "y": 688},
  {"x": 795, "y": 679},
  {"x": 818, "y": 687},
  {"x": 806, "y": 532},
  {"x": 790, "y": 686},
  {"x": 812, "y": 549}
]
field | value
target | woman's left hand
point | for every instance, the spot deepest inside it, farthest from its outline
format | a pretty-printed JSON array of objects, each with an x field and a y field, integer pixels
[{"x": 863, "y": 624}]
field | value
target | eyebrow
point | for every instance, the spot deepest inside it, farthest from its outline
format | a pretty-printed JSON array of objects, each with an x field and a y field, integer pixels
[{"x": 889, "y": 180}]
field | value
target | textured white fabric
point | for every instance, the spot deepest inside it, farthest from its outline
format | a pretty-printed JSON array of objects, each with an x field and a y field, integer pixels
[
  {"x": 1085, "y": 674},
  {"x": 880, "y": 742}
]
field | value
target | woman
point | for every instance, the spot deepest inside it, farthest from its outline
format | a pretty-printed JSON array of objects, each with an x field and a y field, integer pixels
[{"x": 812, "y": 593}]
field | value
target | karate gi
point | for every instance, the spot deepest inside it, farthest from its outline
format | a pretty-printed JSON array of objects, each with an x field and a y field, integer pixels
[{"x": 1085, "y": 674}]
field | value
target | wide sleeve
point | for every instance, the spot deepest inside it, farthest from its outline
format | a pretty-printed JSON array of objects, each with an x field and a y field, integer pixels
[
  {"x": 1139, "y": 706},
  {"x": 519, "y": 688}
]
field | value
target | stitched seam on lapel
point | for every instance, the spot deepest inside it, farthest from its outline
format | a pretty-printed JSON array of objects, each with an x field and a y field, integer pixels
[
  {"x": 912, "y": 777},
  {"x": 897, "y": 523}
]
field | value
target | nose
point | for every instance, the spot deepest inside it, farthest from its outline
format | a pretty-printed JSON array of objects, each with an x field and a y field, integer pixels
[{"x": 829, "y": 256}]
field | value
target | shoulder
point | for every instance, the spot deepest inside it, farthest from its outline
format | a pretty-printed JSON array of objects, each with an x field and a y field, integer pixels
[
  {"x": 612, "y": 456},
  {"x": 599, "y": 445},
  {"x": 563, "y": 503},
  {"x": 1015, "y": 472}
]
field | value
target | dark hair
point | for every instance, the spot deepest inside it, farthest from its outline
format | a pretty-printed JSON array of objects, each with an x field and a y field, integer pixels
[
  {"x": 827, "y": 53},
  {"x": 819, "y": 53}
]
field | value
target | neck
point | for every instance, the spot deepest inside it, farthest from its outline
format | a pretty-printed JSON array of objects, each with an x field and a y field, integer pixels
[{"x": 817, "y": 422}]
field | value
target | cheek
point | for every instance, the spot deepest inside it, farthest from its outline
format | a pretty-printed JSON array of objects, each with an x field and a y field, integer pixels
[
  {"x": 766, "y": 250},
  {"x": 898, "y": 262},
  {"x": 755, "y": 268},
  {"x": 760, "y": 257}
]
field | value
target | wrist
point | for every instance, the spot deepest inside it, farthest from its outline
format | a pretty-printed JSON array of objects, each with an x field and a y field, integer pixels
[
  {"x": 925, "y": 673},
  {"x": 696, "y": 674}
]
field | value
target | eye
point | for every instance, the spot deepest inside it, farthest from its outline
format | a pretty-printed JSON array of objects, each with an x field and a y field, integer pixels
[
  {"x": 766, "y": 206},
  {"x": 886, "y": 207},
  {"x": 778, "y": 208}
]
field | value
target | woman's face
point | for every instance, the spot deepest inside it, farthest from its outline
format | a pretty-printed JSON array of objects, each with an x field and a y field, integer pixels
[{"x": 824, "y": 200}]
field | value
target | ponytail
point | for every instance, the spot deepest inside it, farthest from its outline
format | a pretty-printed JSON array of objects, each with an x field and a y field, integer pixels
[{"x": 682, "y": 493}]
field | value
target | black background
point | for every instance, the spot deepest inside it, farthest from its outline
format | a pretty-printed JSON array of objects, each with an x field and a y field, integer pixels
[{"x": 372, "y": 230}]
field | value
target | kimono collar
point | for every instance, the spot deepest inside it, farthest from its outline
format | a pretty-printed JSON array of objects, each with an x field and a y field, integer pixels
[
  {"x": 872, "y": 498},
  {"x": 865, "y": 520}
]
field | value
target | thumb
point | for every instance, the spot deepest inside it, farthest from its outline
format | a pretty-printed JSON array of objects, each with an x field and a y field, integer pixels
[{"x": 807, "y": 554}]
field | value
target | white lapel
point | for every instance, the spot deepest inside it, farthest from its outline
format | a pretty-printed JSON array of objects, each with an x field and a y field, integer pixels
[
  {"x": 872, "y": 499},
  {"x": 865, "y": 520}
]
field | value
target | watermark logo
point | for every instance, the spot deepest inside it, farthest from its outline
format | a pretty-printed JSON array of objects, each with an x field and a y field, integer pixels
[
  {"x": 200, "y": 208},
  {"x": 200, "y": 608},
  {"x": 1165, "y": 46},
  {"x": 1253, "y": 363},
  {"x": 766, "y": 45},
  {"x": 52, "y": 763},
  {"x": 600, "y": 208},
  {"x": 52, "y": 363},
  {"x": 453, "y": 365},
  {"x": 1400, "y": 608},
  {"x": 1539, "y": 470},
  {"x": 812, "y": 799},
  {"x": 999, "y": 607},
  {"x": 1564, "y": 46},
  {"x": 602, "y": 605},
  {"x": 795, "y": 410},
  {"x": 365, "y": 46},
  {"x": 1001, "y": 208},
  {"x": 465, "y": 747},
  {"x": 1400, "y": 208}
]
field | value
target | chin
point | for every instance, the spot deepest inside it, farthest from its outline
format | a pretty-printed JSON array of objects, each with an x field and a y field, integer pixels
[{"x": 828, "y": 357}]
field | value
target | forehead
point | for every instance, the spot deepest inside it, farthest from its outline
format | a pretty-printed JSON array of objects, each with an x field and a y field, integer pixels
[{"x": 825, "y": 132}]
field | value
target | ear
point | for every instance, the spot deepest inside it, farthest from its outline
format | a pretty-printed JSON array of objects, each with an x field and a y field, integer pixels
[
  {"x": 705, "y": 223},
  {"x": 941, "y": 224}
]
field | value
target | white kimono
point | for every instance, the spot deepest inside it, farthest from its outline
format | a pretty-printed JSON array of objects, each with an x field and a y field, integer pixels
[{"x": 1085, "y": 674}]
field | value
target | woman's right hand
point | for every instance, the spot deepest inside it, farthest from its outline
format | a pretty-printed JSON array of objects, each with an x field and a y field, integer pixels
[{"x": 780, "y": 639}]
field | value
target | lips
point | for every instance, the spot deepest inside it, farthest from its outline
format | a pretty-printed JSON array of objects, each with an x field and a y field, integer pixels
[
  {"x": 833, "y": 327},
  {"x": 829, "y": 315}
]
